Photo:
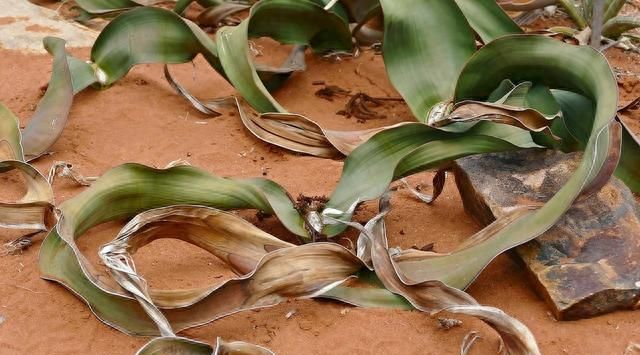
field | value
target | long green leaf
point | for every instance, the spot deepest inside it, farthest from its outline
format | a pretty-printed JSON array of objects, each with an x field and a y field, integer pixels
[
  {"x": 292, "y": 22},
  {"x": 99, "y": 7},
  {"x": 615, "y": 27},
  {"x": 376, "y": 161},
  {"x": 487, "y": 19},
  {"x": 148, "y": 35},
  {"x": 426, "y": 43},
  {"x": 50, "y": 117}
]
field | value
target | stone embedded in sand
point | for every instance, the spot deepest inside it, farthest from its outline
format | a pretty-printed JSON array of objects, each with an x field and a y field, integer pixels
[
  {"x": 23, "y": 25},
  {"x": 589, "y": 263}
]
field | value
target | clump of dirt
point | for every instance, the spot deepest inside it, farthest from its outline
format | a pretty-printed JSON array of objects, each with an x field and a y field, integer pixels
[
  {"x": 261, "y": 216},
  {"x": 305, "y": 204}
]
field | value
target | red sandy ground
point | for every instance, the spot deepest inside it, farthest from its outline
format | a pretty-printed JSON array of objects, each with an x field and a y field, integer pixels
[{"x": 140, "y": 119}]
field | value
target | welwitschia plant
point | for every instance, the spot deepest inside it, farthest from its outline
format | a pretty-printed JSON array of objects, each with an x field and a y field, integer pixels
[{"x": 473, "y": 81}]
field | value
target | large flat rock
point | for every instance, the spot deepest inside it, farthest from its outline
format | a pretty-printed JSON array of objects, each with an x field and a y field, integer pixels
[
  {"x": 589, "y": 263},
  {"x": 23, "y": 25}
]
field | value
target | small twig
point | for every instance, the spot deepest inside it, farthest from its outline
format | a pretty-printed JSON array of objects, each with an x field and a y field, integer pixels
[
  {"x": 632, "y": 105},
  {"x": 329, "y": 92},
  {"x": 338, "y": 56},
  {"x": 360, "y": 106},
  {"x": 24, "y": 288},
  {"x": 610, "y": 43}
]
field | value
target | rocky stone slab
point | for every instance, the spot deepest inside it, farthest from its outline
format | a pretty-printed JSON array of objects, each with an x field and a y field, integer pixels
[
  {"x": 23, "y": 25},
  {"x": 589, "y": 263}
]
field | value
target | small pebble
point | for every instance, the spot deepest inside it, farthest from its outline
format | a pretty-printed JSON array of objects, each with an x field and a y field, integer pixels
[{"x": 448, "y": 323}]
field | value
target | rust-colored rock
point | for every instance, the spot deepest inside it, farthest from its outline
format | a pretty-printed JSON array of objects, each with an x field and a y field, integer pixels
[{"x": 589, "y": 263}]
